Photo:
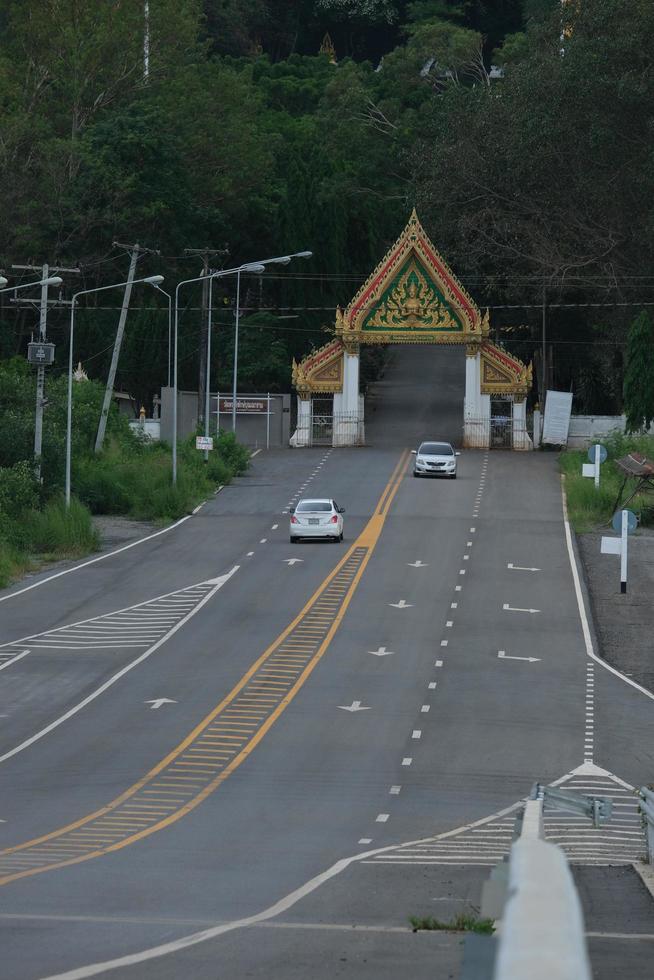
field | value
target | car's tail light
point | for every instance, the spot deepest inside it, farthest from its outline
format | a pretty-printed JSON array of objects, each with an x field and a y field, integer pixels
[
  {"x": 334, "y": 519},
  {"x": 294, "y": 520}
]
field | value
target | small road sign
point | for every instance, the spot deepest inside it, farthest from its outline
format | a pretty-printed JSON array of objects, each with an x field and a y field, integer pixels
[
  {"x": 632, "y": 521},
  {"x": 204, "y": 442},
  {"x": 602, "y": 453}
]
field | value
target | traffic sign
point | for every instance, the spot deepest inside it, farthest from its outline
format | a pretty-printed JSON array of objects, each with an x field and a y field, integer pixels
[
  {"x": 602, "y": 453},
  {"x": 204, "y": 442},
  {"x": 632, "y": 521}
]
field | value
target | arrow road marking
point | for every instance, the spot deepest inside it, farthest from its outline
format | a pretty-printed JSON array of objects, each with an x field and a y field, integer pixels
[
  {"x": 381, "y": 652},
  {"x": 157, "y": 702},
  {"x": 402, "y": 604},
  {"x": 520, "y": 568},
  {"x": 502, "y": 655},
  {"x": 418, "y": 564},
  {"x": 355, "y": 706},
  {"x": 292, "y": 561},
  {"x": 516, "y": 609}
]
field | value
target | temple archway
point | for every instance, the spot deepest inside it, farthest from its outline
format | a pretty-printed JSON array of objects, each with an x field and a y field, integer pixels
[{"x": 413, "y": 297}]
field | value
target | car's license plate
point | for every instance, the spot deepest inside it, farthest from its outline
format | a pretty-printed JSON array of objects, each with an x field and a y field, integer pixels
[{"x": 314, "y": 520}]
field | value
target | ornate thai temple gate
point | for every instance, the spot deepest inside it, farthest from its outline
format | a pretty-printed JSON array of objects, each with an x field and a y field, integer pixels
[{"x": 413, "y": 297}]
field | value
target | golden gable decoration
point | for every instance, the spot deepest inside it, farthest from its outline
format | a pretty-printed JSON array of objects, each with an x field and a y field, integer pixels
[
  {"x": 502, "y": 373},
  {"x": 320, "y": 371},
  {"x": 412, "y": 297}
]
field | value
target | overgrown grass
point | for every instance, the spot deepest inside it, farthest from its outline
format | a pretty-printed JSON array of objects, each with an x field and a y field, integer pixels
[
  {"x": 53, "y": 532},
  {"x": 464, "y": 922},
  {"x": 137, "y": 480},
  {"x": 131, "y": 478},
  {"x": 590, "y": 509}
]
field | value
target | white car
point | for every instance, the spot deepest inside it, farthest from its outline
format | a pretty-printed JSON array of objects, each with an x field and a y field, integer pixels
[
  {"x": 435, "y": 458},
  {"x": 316, "y": 519}
]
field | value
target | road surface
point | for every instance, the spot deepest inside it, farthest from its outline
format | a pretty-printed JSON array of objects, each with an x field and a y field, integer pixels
[{"x": 225, "y": 755}]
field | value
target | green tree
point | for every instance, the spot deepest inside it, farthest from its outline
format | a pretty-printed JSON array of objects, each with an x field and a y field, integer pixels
[{"x": 639, "y": 374}]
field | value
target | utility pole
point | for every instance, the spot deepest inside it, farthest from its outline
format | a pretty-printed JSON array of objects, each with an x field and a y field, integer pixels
[
  {"x": 205, "y": 347},
  {"x": 46, "y": 271},
  {"x": 136, "y": 251}
]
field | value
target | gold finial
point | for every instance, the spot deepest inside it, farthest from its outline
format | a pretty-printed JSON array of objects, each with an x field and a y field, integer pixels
[{"x": 327, "y": 47}]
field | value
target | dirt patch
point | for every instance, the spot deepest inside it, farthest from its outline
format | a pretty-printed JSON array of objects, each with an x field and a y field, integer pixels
[
  {"x": 117, "y": 531},
  {"x": 624, "y": 623}
]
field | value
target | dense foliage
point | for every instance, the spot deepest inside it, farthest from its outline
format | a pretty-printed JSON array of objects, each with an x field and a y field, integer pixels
[{"x": 251, "y": 132}]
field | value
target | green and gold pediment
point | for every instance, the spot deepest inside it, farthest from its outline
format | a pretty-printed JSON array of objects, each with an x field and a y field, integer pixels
[
  {"x": 411, "y": 297},
  {"x": 413, "y": 302}
]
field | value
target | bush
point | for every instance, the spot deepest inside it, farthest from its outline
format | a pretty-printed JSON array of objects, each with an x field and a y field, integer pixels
[
  {"x": 590, "y": 508},
  {"x": 61, "y": 531}
]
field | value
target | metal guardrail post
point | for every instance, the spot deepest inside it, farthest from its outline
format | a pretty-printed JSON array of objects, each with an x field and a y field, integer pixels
[{"x": 647, "y": 810}]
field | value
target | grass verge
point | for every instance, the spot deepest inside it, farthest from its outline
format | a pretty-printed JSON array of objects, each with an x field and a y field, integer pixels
[
  {"x": 130, "y": 478},
  {"x": 460, "y": 923},
  {"x": 589, "y": 508}
]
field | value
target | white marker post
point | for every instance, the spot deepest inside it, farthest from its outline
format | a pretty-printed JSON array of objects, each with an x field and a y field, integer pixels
[
  {"x": 596, "y": 454},
  {"x": 623, "y": 553},
  {"x": 626, "y": 523}
]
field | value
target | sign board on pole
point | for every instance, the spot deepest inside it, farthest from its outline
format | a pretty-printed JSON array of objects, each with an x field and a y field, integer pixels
[
  {"x": 632, "y": 521},
  {"x": 40, "y": 353},
  {"x": 244, "y": 406},
  {"x": 558, "y": 408},
  {"x": 204, "y": 442},
  {"x": 602, "y": 452}
]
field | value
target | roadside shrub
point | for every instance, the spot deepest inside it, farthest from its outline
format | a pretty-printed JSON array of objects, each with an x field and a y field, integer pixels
[
  {"x": 590, "y": 508},
  {"x": 56, "y": 530}
]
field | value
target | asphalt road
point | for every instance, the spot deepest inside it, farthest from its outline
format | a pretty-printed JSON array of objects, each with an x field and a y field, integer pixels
[{"x": 252, "y": 793}]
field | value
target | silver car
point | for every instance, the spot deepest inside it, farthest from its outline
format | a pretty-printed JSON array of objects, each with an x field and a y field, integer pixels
[
  {"x": 435, "y": 459},
  {"x": 316, "y": 519}
]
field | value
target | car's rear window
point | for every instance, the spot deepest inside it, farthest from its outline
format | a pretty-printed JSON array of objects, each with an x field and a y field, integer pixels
[
  {"x": 436, "y": 449},
  {"x": 313, "y": 507}
]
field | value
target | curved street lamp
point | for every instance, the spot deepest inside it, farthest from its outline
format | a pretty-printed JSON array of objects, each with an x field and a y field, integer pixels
[
  {"x": 253, "y": 267},
  {"x": 153, "y": 281}
]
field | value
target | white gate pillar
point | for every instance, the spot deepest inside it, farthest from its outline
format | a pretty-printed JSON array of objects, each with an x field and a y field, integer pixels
[
  {"x": 521, "y": 439},
  {"x": 346, "y": 403},
  {"x": 302, "y": 435},
  {"x": 476, "y": 408}
]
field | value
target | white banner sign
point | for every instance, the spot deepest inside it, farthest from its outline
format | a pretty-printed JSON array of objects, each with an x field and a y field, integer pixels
[
  {"x": 558, "y": 408},
  {"x": 204, "y": 442}
]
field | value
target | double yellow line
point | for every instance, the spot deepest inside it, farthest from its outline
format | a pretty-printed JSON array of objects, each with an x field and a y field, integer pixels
[{"x": 226, "y": 737}]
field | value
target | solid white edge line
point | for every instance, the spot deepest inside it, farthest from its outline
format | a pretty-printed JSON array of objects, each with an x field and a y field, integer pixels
[
  {"x": 588, "y": 640},
  {"x": 124, "y": 670},
  {"x": 255, "y": 453},
  {"x": 19, "y": 656},
  {"x": 284, "y": 904},
  {"x": 114, "y": 612},
  {"x": 92, "y": 561}
]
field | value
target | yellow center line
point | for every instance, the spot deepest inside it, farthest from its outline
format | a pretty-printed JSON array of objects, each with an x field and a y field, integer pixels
[{"x": 264, "y": 699}]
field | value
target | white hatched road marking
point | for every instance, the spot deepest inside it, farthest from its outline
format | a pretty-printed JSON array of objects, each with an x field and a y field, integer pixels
[
  {"x": 134, "y": 627},
  {"x": 487, "y": 841}
]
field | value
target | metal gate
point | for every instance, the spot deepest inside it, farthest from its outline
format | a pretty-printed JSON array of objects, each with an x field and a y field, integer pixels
[
  {"x": 501, "y": 424},
  {"x": 322, "y": 421}
]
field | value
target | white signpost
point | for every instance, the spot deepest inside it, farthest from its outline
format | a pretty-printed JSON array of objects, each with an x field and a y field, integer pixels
[
  {"x": 204, "y": 442},
  {"x": 625, "y": 522},
  {"x": 558, "y": 408},
  {"x": 596, "y": 454}
]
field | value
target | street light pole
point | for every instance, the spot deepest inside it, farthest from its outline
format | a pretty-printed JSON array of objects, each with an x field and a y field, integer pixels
[
  {"x": 234, "y": 379},
  {"x": 253, "y": 267},
  {"x": 153, "y": 281}
]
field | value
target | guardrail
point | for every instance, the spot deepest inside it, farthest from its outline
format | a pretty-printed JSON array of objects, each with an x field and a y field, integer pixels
[
  {"x": 541, "y": 930},
  {"x": 647, "y": 810}
]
